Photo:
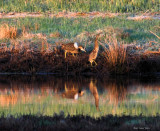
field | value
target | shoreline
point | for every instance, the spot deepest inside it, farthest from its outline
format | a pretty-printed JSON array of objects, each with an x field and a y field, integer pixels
[{"x": 13, "y": 62}]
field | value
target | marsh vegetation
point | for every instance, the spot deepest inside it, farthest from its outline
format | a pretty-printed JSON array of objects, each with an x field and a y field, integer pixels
[
  {"x": 124, "y": 45},
  {"x": 31, "y": 37}
]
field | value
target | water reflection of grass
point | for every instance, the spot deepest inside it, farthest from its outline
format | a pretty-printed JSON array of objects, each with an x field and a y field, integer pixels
[
  {"x": 51, "y": 105},
  {"x": 43, "y": 99}
]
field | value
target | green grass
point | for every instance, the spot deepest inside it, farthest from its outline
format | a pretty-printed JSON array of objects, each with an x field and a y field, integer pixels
[
  {"x": 79, "y": 5},
  {"x": 70, "y": 28}
]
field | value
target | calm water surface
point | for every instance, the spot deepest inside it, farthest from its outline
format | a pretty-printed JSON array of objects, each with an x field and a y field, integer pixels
[{"x": 46, "y": 95}]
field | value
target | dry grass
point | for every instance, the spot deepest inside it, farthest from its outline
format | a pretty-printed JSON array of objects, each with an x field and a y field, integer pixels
[
  {"x": 55, "y": 35},
  {"x": 7, "y": 32},
  {"x": 115, "y": 54},
  {"x": 140, "y": 18},
  {"x": 119, "y": 33}
]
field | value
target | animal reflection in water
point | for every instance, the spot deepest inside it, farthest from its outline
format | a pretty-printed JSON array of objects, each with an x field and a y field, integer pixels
[
  {"x": 75, "y": 93},
  {"x": 93, "y": 89},
  {"x": 72, "y": 93}
]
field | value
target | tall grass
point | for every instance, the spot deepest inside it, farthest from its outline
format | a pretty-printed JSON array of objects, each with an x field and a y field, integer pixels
[
  {"x": 7, "y": 31},
  {"x": 116, "y": 53},
  {"x": 78, "y": 5}
]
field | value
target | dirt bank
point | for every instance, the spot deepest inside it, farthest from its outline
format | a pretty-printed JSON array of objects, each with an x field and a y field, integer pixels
[{"x": 28, "y": 61}]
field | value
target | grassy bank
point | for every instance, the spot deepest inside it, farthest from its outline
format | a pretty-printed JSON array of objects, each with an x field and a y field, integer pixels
[
  {"x": 79, "y": 5},
  {"x": 33, "y": 45}
]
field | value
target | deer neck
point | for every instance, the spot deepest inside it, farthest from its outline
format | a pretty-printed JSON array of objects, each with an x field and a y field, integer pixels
[{"x": 96, "y": 46}]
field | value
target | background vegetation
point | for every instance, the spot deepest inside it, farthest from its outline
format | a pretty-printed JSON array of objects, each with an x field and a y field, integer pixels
[
  {"x": 79, "y": 5},
  {"x": 70, "y": 28}
]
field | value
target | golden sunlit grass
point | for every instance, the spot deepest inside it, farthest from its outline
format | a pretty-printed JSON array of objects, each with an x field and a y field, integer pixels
[
  {"x": 7, "y": 32},
  {"x": 115, "y": 54}
]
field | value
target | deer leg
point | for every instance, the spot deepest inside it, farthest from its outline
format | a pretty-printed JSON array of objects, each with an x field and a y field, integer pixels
[
  {"x": 91, "y": 62},
  {"x": 95, "y": 62},
  {"x": 65, "y": 54}
]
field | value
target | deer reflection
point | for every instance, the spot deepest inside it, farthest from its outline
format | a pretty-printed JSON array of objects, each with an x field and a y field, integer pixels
[
  {"x": 73, "y": 93},
  {"x": 93, "y": 89},
  {"x": 23, "y": 91}
]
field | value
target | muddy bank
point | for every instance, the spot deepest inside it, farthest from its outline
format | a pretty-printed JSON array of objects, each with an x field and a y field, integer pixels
[
  {"x": 28, "y": 61},
  {"x": 59, "y": 122}
]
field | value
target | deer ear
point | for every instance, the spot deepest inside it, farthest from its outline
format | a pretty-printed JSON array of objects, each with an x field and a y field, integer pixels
[{"x": 76, "y": 45}]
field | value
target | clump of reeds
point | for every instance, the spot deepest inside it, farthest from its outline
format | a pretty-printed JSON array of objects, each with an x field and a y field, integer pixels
[
  {"x": 7, "y": 32},
  {"x": 115, "y": 54}
]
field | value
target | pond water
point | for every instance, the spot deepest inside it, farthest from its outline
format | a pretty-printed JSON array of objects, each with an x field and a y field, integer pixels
[{"x": 47, "y": 94}]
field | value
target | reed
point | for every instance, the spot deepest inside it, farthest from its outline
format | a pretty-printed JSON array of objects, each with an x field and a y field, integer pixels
[{"x": 115, "y": 54}]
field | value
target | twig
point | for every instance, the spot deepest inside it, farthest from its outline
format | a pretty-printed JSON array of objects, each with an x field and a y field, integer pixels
[{"x": 155, "y": 34}]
